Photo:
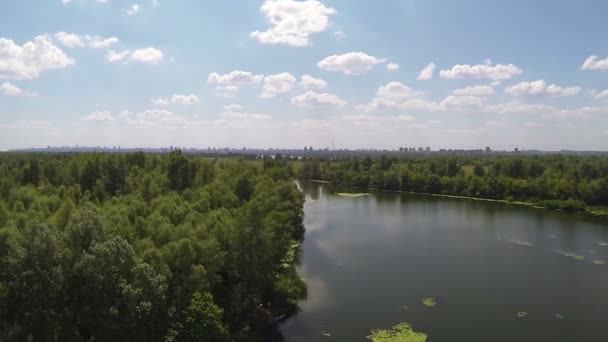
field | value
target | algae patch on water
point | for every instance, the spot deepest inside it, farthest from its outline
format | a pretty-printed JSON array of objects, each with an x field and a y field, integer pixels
[
  {"x": 571, "y": 255},
  {"x": 598, "y": 262},
  {"x": 402, "y": 332},
  {"x": 352, "y": 194},
  {"x": 522, "y": 243},
  {"x": 430, "y": 302},
  {"x": 522, "y": 314},
  {"x": 603, "y": 244}
]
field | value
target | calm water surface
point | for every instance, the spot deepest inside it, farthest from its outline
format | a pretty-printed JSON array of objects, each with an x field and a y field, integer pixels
[{"x": 369, "y": 262}]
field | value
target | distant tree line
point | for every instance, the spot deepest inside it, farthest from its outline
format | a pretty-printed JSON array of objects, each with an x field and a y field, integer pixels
[
  {"x": 572, "y": 183},
  {"x": 139, "y": 247}
]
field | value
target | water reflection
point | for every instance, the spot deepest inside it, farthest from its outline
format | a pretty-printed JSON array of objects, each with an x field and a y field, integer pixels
[{"x": 366, "y": 258}]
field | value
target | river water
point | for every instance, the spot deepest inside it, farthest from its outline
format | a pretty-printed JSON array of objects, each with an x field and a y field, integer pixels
[{"x": 369, "y": 261}]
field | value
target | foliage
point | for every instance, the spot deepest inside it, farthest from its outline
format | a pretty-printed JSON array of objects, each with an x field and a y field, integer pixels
[{"x": 140, "y": 247}]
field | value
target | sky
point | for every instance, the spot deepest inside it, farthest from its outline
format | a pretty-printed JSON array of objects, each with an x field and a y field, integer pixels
[{"x": 288, "y": 74}]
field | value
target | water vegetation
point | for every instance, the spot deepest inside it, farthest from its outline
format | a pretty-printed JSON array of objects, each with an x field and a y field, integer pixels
[
  {"x": 558, "y": 316},
  {"x": 402, "y": 332},
  {"x": 352, "y": 194},
  {"x": 429, "y": 302},
  {"x": 598, "y": 262},
  {"x": 571, "y": 255},
  {"x": 522, "y": 243},
  {"x": 522, "y": 314}
]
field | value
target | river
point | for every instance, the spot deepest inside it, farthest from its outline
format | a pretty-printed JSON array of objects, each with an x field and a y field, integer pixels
[{"x": 370, "y": 261}]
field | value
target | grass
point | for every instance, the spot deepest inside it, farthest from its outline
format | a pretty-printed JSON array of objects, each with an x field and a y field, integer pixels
[
  {"x": 402, "y": 332},
  {"x": 352, "y": 194}
]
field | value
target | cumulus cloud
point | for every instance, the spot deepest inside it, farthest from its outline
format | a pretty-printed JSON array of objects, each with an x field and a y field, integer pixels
[
  {"x": 229, "y": 84},
  {"x": 461, "y": 103},
  {"x": 352, "y": 63},
  {"x": 233, "y": 108},
  {"x": 593, "y": 62},
  {"x": 309, "y": 82},
  {"x": 396, "y": 95},
  {"x": 147, "y": 55},
  {"x": 28, "y": 61},
  {"x": 600, "y": 95},
  {"x": 97, "y": 42},
  {"x": 366, "y": 120},
  {"x": 392, "y": 67},
  {"x": 427, "y": 73},
  {"x": 540, "y": 87},
  {"x": 278, "y": 84},
  {"x": 69, "y": 39},
  {"x": 480, "y": 71},
  {"x": 519, "y": 108},
  {"x": 9, "y": 89},
  {"x": 479, "y": 90},
  {"x": 176, "y": 99},
  {"x": 292, "y": 22},
  {"x": 314, "y": 99}
]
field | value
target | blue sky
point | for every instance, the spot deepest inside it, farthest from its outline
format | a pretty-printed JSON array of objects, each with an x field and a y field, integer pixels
[{"x": 527, "y": 74}]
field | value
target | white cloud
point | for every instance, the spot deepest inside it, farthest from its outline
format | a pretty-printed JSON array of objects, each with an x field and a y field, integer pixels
[
  {"x": 595, "y": 63},
  {"x": 115, "y": 56},
  {"x": 427, "y": 73},
  {"x": 9, "y": 89},
  {"x": 229, "y": 84},
  {"x": 74, "y": 40},
  {"x": 99, "y": 116},
  {"x": 309, "y": 82},
  {"x": 519, "y": 108},
  {"x": 461, "y": 103},
  {"x": 69, "y": 39},
  {"x": 65, "y": 2},
  {"x": 600, "y": 95},
  {"x": 540, "y": 87},
  {"x": 233, "y": 108},
  {"x": 392, "y": 67},
  {"x": 493, "y": 72},
  {"x": 371, "y": 121},
  {"x": 352, "y": 63},
  {"x": 278, "y": 84},
  {"x": 480, "y": 90},
  {"x": 292, "y": 22},
  {"x": 313, "y": 99},
  {"x": 396, "y": 95},
  {"x": 133, "y": 10},
  {"x": 97, "y": 42},
  {"x": 176, "y": 99},
  {"x": 28, "y": 61},
  {"x": 339, "y": 35},
  {"x": 148, "y": 55}
]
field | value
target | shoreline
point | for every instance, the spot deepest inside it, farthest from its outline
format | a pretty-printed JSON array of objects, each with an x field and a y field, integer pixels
[{"x": 519, "y": 203}]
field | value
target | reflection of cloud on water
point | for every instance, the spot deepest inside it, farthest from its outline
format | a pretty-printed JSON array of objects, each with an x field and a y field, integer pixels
[{"x": 318, "y": 292}]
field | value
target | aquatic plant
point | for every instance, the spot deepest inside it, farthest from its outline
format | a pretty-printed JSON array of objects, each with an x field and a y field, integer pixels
[
  {"x": 402, "y": 332},
  {"x": 558, "y": 316},
  {"x": 430, "y": 302},
  {"x": 598, "y": 262},
  {"x": 522, "y": 243},
  {"x": 352, "y": 194},
  {"x": 522, "y": 314},
  {"x": 571, "y": 255},
  {"x": 603, "y": 244}
]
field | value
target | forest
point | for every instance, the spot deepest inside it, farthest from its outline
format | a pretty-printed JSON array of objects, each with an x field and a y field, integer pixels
[
  {"x": 144, "y": 247},
  {"x": 563, "y": 182}
]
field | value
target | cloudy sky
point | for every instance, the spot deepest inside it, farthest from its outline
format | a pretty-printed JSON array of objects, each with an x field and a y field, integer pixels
[{"x": 286, "y": 73}]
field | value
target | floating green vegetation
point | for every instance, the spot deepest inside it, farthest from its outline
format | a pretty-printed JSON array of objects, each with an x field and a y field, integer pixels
[
  {"x": 522, "y": 314},
  {"x": 402, "y": 332},
  {"x": 603, "y": 244},
  {"x": 352, "y": 194},
  {"x": 571, "y": 255},
  {"x": 523, "y": 243},
  {"x": 558, "y": 316},
  {"x": 598, "y": 262},
  {"x": 430, "y": 302}
]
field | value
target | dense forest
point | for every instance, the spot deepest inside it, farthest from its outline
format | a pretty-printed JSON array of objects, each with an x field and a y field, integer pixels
[
  {"x": 139, "y": 247},
  {"x": 565, "y": 182}
]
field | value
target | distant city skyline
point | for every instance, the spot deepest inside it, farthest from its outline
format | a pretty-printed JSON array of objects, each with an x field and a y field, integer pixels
[{"x": 288, "y": 74}]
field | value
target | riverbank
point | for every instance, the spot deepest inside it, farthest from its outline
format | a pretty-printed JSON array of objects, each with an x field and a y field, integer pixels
[{"x": 593, "y": 211}]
